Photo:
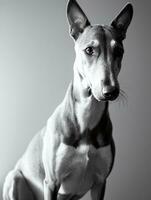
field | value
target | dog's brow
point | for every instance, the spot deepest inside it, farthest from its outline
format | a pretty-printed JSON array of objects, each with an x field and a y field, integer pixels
[
  {"x": 94, "y": 43},
  {"x": 113, "y": 43}
]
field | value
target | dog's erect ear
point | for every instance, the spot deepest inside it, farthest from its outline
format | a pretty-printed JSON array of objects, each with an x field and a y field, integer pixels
[
  {"x": 76, "y": 18},
  {"x": 122, "y": 21}
]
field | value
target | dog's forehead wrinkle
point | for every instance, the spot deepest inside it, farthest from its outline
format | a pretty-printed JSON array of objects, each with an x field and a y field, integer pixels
[
  {"x": 89, "y": 36},
  {"x": 95, "y": 36}
]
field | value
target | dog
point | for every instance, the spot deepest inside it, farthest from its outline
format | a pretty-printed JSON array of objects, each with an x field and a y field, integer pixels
[{"x": 75, "y": 151}]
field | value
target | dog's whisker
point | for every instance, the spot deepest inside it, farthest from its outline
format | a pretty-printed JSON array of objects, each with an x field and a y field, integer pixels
[{"x": 123, "y": 98}]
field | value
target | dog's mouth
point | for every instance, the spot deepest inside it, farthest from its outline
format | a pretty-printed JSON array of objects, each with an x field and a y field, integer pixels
[
  {"x": 108, "y": 96},
  {"x": 89, "y": 91},
  {"x": 106, "y": 93}
]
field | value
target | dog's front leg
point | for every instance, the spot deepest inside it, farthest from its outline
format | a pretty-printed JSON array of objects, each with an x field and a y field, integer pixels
[
  {"x": 49, "y": 181},
  {"x": 98, "y": 191},
  {"x": 50, "y": 144},
  {"x": 49, "y": 184},
  {"x": 49, "y": 191}
]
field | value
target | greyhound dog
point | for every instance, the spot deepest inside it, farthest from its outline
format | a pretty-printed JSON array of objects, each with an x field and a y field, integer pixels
[{"x": 75, "y": 152}]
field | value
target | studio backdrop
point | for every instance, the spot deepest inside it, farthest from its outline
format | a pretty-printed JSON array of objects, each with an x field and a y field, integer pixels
[{"x": 36, "y": 66}]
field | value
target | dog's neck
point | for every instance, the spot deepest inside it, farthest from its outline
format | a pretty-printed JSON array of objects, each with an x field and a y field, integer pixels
[
  {"x": 87, "y": 109},
  {"x": 82, "y": 116}
]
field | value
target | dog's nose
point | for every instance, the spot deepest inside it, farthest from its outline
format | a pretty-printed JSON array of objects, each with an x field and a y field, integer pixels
[{"x": 110, "y": 92}]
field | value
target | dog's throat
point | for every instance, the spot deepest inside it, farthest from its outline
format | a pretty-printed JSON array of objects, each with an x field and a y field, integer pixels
[{"x": 81, "y": 117}]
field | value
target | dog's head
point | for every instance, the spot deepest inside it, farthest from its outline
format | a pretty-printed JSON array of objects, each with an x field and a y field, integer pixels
[{"x": 99, "y": 50}]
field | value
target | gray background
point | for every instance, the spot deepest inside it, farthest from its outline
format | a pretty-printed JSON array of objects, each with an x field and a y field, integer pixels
[{"x": 36, "y": 59}]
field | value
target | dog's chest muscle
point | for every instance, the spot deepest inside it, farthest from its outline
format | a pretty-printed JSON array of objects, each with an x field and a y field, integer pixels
[{"x": 77, "y": 169}]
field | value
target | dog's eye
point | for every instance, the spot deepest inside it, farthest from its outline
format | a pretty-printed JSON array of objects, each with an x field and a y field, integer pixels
[
  {"x": 118, "y": 51},
  {"x": 89, "y": 51}
]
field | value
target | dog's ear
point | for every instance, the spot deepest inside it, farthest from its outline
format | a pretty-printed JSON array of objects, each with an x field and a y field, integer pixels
[
  {"x": 76, "y": 18},
  {"x": 122, "y": 21}
]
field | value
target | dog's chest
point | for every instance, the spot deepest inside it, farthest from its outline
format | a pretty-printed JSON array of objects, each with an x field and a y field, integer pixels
[{"x": 77, "y": 169}]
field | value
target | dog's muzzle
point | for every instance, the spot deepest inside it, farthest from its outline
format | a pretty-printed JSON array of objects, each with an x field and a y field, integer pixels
[{"x": 110, "y": 93}]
